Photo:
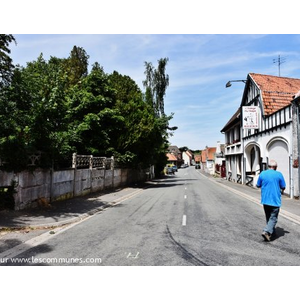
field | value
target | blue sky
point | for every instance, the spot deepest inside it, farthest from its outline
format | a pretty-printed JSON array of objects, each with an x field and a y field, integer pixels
[{"x": 199, "y": 67}]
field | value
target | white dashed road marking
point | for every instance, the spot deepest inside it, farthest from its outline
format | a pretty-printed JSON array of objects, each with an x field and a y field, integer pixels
[{"x": 184, "y": 220}]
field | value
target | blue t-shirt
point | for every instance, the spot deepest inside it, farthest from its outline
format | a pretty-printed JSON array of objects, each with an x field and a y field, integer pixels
[{"x": 271, "y": 182}]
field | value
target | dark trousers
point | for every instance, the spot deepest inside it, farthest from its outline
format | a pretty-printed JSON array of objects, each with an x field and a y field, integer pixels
[{"x": 271, "y": 213}]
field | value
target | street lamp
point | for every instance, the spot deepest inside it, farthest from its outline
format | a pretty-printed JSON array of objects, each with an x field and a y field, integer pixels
[{"x": 228, "y": 84}]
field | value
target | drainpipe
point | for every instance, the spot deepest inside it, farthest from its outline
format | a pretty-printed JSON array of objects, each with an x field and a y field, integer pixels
[
  {"x": 244, "y": 168},
  {"x": 291, "y": 177},
  {"x": 296, "y": 103},
  {"x": 298, "y": 148}
]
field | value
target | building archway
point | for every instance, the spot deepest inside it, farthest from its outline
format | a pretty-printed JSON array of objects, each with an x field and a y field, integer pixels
[
  {"x": 253, "y": 159},
  {"x": 278, "y": 150}
]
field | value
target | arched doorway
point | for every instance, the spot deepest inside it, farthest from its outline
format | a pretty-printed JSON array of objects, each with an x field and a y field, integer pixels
[
  {"x": 253, "y": 159},
  {"x": 278, "y": 150}
]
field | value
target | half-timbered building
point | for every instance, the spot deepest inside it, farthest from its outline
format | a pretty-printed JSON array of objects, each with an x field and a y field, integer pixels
[{"x": 261, "y": 130}]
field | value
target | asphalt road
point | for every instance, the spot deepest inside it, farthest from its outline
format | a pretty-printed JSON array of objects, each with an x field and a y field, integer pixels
[{"x": 183, "y": 220}]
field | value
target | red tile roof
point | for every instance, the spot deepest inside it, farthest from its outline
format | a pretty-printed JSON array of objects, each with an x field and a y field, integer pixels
[
  {"x": 171, "y": 157},
  {"x": 211, "y": 153},
  {"x": 277, "y": 92},
  {"x": 208, "y": 154},
  {"x": 189, "y": 153},
  {"x": 203, "y": 156}
]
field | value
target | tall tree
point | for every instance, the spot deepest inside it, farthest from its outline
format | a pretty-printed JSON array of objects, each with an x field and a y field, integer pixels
[
  {"x": 161, "y": 80},
  {"x": 139, "y": 124},
  {"x": 156, "y": 84},
  {"x": 6, "y": 65},
  {"x": 77, "y": 65}
]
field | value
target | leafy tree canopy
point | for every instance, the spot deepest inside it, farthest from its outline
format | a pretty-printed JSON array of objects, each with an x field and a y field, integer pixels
[
  {"x": 6, "y": 65},
  {"x": 57, "y": 107}
]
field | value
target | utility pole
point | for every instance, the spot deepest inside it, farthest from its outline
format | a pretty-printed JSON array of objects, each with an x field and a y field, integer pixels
[{"x": 279, "y": 61}]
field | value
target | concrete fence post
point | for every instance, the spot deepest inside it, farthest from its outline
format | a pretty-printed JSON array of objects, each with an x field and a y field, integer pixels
[
  {"x": 112, "y": 167},
  {"x": 90, "y": 172},
  {"x": 51, "y": 183},
  {"x": 74, "y": 158},
  {"x": 91, "y": 162},
  {"x": 74, "y": 166}
]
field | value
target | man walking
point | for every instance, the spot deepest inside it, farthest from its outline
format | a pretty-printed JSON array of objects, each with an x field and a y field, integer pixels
[{"x": 271, "y": 183}]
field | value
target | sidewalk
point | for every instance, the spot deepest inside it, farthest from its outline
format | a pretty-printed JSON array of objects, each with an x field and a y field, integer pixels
[
  {"x": 72, "y": 210},
  {"x": 65, "y": 211}
]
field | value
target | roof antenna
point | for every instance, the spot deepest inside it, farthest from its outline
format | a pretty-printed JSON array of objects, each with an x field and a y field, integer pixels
[{"x": 279, "y": 61}]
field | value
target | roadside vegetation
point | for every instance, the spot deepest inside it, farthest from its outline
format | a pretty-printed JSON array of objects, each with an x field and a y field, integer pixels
[{"x": 57, "y": 107}]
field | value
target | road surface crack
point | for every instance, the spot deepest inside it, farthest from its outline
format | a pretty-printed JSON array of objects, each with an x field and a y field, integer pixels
[{"x": 184, "y": 253}]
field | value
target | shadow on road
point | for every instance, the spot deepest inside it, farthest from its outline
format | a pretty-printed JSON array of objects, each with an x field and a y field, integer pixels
[{"x": 279, "y": 233}]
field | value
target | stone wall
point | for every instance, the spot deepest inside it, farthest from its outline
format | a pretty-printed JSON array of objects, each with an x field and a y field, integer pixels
[{"x": 30, "y": 186}]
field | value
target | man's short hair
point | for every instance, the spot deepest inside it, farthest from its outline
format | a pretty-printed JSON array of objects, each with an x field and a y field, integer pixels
[{"x": 272, "y": 163}]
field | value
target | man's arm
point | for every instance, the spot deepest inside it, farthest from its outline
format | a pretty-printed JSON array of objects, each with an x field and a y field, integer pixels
[
  {"x": 258, "y": 183},
  {"x": 282, "y": 182}
]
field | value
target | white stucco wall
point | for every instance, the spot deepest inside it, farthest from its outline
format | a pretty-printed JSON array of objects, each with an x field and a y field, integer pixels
[{"x": 272, "y": 145}]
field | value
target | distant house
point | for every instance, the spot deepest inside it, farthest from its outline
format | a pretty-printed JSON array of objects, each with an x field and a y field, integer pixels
[
  {"x": 208, "y": 159},
  {"x": 187, "y": 156},
  {"x": 172, "y": 159},
  {"x": 262, "y": 129},
  {"x": 220, "y": 162},
  {"x": 197, "y": 158},
  {"x": 174, "y": 150}
]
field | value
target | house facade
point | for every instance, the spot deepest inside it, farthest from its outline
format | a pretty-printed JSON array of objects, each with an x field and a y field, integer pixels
[
  {"x": 208, "y": 160},
  {"x": 197, "y": 158},
  {"x": 234, "y": 148},
  {"x": 187, "y": 156},
  {"x": 220, "y": 162},
  {"x": 262, "y": 129}
]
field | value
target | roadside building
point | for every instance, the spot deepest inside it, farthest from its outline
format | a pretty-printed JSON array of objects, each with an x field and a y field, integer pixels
[
  {"x": 233, "y": 149},
  {"x": 261, "y": 129},
  {"x": 172, "y": 159},
  {"x": 220, "y": 163},
  {"x": 197, "y": 158},
  {"x": 208, "y": 160},
  {"x": 174, "y": 150},
  {"x": 187, "y": 156}
]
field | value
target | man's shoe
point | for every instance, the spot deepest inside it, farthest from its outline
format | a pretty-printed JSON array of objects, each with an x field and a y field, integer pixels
[{"x": 266, "y": 236}]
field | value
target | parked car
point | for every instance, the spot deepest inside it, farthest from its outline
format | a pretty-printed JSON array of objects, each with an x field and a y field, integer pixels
[
  {"x": 175, "y": 169},
  {"x": 197, "y": 166},
  {"x": 170, "y": 170}
]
